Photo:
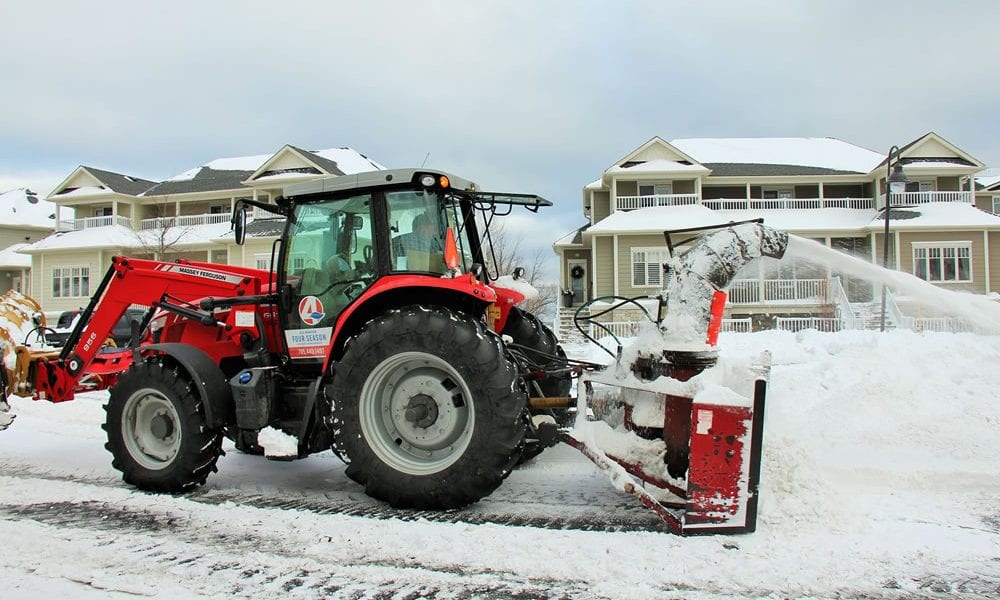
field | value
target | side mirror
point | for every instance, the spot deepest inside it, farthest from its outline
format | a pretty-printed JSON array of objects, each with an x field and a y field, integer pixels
[
  {"x": 240, "y": 225},
  {"x": 518, "y": 273}
]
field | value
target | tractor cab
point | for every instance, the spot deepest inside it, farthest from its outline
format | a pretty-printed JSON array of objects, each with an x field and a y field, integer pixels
[{"x": 357, "y": 239}]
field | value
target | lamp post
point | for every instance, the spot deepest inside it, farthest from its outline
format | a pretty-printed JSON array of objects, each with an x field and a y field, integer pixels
[{"x": 895, "y": 183}]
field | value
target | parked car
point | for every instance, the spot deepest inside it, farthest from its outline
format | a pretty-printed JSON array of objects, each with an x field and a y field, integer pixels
[{"x": 121, "y": 332}]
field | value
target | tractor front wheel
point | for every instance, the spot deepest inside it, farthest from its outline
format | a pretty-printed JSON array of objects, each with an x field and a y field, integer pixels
[
  {"x": 156, "y": 429},
  {"x": 428, "y": 409}
]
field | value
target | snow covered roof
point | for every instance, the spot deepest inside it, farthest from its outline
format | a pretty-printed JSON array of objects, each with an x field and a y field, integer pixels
[
  {"x": 10, "y": 257},
  {"x": 573, "y": 238},
  {"x": 827, "y": 153},
  {"x": 230, "y": 173},
  {"x": 23, "y": 208},
  {"x": 988, "y": 177},
  {"x": 118, "y": 182},
  {"x": 952, "y": 215},
  {"x": 123, "y": 237}
]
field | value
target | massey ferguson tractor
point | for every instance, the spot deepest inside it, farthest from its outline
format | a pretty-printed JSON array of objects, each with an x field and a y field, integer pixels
[{"x": 379, "y": 333}]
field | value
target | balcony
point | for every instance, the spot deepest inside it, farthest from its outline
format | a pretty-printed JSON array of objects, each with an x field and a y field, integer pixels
[
  {"x": 634, "y": 202},
  {"x": 778, "y": 291},
  {"x": 913, "y": 198},
  {"x": 184, "y": 221},
  {"x": 788, "y": 203},
  {"x": 91, "y": 222}
]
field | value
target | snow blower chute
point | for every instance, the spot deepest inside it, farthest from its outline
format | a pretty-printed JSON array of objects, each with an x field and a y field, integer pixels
[{"x": 671, "y": 415}]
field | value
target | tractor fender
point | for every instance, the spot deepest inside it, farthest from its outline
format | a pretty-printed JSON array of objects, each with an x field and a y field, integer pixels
[
  {"x": 209, "y": 381},
  {"x": 379, "y": 299}
]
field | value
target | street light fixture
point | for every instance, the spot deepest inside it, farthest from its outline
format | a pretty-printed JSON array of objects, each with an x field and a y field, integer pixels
[{"x": 895, "y": 183}]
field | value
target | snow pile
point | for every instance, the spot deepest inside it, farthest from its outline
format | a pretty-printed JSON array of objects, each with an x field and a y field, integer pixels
[
  {"x": 521, "y": 286},
  {"x": 277, "y": 443}
]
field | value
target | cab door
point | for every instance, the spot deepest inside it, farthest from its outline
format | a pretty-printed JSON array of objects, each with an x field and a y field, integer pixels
[{"x": 328, "y": 261}]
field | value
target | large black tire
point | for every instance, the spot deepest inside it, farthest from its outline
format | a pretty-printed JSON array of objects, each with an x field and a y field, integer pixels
[
  {"x": 526, "y": 330},
  {"x": 427, "y": 409},
  {"x": 156, "y": 429}
]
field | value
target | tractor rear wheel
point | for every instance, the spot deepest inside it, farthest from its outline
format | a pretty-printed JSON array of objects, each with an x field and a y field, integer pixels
[
  {"x": 540, "y": 345},
  {"x": 156, "y": 429},
  {"x": 428, "y": 409}
]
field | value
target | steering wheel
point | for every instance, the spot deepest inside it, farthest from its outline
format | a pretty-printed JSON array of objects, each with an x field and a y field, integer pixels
[{"x": 350, "y": 284}]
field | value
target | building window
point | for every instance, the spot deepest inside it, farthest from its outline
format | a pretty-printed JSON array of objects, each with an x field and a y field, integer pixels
[
  {"x": 777, "y": 193},
  {"x": 71, "y": 282},
  {"x": 996, "y": 205},
  {"x": 262, "y": 261},
  {"x": 218, "y": 209},
  {"x": 655, "y": 189},
  {"x": 105, "y": 211},
  {"x": 647, "y": 266},
  {"x": 943, "y": 262}
]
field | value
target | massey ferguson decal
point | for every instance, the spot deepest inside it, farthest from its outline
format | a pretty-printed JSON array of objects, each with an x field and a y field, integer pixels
[
  {"x": 197, "y": 272},
  {"x": 311, "y": 310},
  {"x": 308, "y": 343}
]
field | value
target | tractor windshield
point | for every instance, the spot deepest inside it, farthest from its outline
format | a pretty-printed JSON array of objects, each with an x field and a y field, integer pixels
[{"x": 418, "y": 221}]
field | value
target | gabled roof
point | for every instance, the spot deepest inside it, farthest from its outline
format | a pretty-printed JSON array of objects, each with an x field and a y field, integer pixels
[
  {"x": 201, "y": 179},
  {"x": 22, "y": 207},
  {"x": 758, "y": 170},
  {"x": 956, "y": 157},
  {"x": 658, "y": 148},
  {"x": 99, "y": 181},
  {"x": 573, "y": 238},
  {"x": 988, "y": 180}
]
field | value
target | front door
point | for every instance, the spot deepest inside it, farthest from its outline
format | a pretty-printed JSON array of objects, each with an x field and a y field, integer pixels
[{"x": 577, "y": 270}]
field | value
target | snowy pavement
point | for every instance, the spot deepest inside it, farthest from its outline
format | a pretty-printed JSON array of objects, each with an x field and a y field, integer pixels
[{"x": 881, "y": 479}]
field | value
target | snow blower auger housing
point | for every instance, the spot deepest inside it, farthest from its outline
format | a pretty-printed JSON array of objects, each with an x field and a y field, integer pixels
[{"x": 669, "y": 414}]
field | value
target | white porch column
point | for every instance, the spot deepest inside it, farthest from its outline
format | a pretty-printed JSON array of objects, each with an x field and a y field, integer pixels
[
  {"x": 822, "y": 204},
  {"x": 748, "y": 196},
  {"x": 177, "y": 208},
  {"x": 593, "y": 264},
  {"x": 614, "y": 196},
  {"x": 697, "y": 189},
  {"x": 614, "y": 264},
  {"x": 986, "y": 260}
]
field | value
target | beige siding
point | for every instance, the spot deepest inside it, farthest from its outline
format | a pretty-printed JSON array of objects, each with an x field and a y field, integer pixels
[
  {"x": 627, "y": 188},
  {"x": 601, "y": 207},
  {"x": 947, "y": 184},
  {"x": 978, "y": 264},
  {"x": 684, "y": 186},
  {"x": 729, "y": 192},
  {"x": 855, "y": 190},
  {"x": 604, "y": 259},
  {"x": 202, "y": 208},
  {"x": 16, "y": 235},
  {"x": 625, "y": 245},
  {"x": 807, "y": 191},
  {"x": 42, "y": 278},
  {"x": 985, "y": 201}
]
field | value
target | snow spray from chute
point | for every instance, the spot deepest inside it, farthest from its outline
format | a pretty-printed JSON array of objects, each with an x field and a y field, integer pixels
[
  {"x": 673, "y": 416},
  {"x": 974, "y": 308}
]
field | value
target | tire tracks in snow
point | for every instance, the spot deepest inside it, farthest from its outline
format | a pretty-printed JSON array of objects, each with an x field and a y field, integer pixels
[{"x": 634, "y": 519}]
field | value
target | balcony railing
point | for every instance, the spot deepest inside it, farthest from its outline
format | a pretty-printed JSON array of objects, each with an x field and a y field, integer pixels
[
  {"x": 634, "y": 202},
  {"x": 91, "y": 222},
  {"x": 185, "y": 221},
  {"x": 911, "y": 198},
  {"x": 787, "y": 203},
  {"x": 796, "y": 324},
  {"x": 778, "y": 291},
  {"x": 624, "y": 329}
]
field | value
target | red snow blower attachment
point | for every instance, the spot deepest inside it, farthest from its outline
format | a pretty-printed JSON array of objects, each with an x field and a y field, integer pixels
[{"x": 670, "y": 414}]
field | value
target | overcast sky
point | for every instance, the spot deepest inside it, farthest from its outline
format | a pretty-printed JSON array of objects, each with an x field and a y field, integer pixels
[{"x": 518, "y": 96}]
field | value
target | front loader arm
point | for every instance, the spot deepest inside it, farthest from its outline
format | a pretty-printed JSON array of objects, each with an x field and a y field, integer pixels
[{"x": 170, "y": 286}]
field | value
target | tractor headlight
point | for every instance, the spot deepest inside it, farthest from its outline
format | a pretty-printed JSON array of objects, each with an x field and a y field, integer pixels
[{"x": 428, "y": 180}]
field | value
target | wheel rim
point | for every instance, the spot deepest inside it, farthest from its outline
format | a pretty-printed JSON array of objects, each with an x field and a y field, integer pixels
[
  {"x": 416, "y": 413},
  {"x": 151, "y": 428}
]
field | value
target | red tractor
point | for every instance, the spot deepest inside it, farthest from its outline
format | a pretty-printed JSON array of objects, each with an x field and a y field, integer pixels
[{"x": 377, "y": 333}]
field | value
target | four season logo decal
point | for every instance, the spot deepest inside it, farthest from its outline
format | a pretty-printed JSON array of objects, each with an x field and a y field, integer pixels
[{"x": 311, "y": 310}]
